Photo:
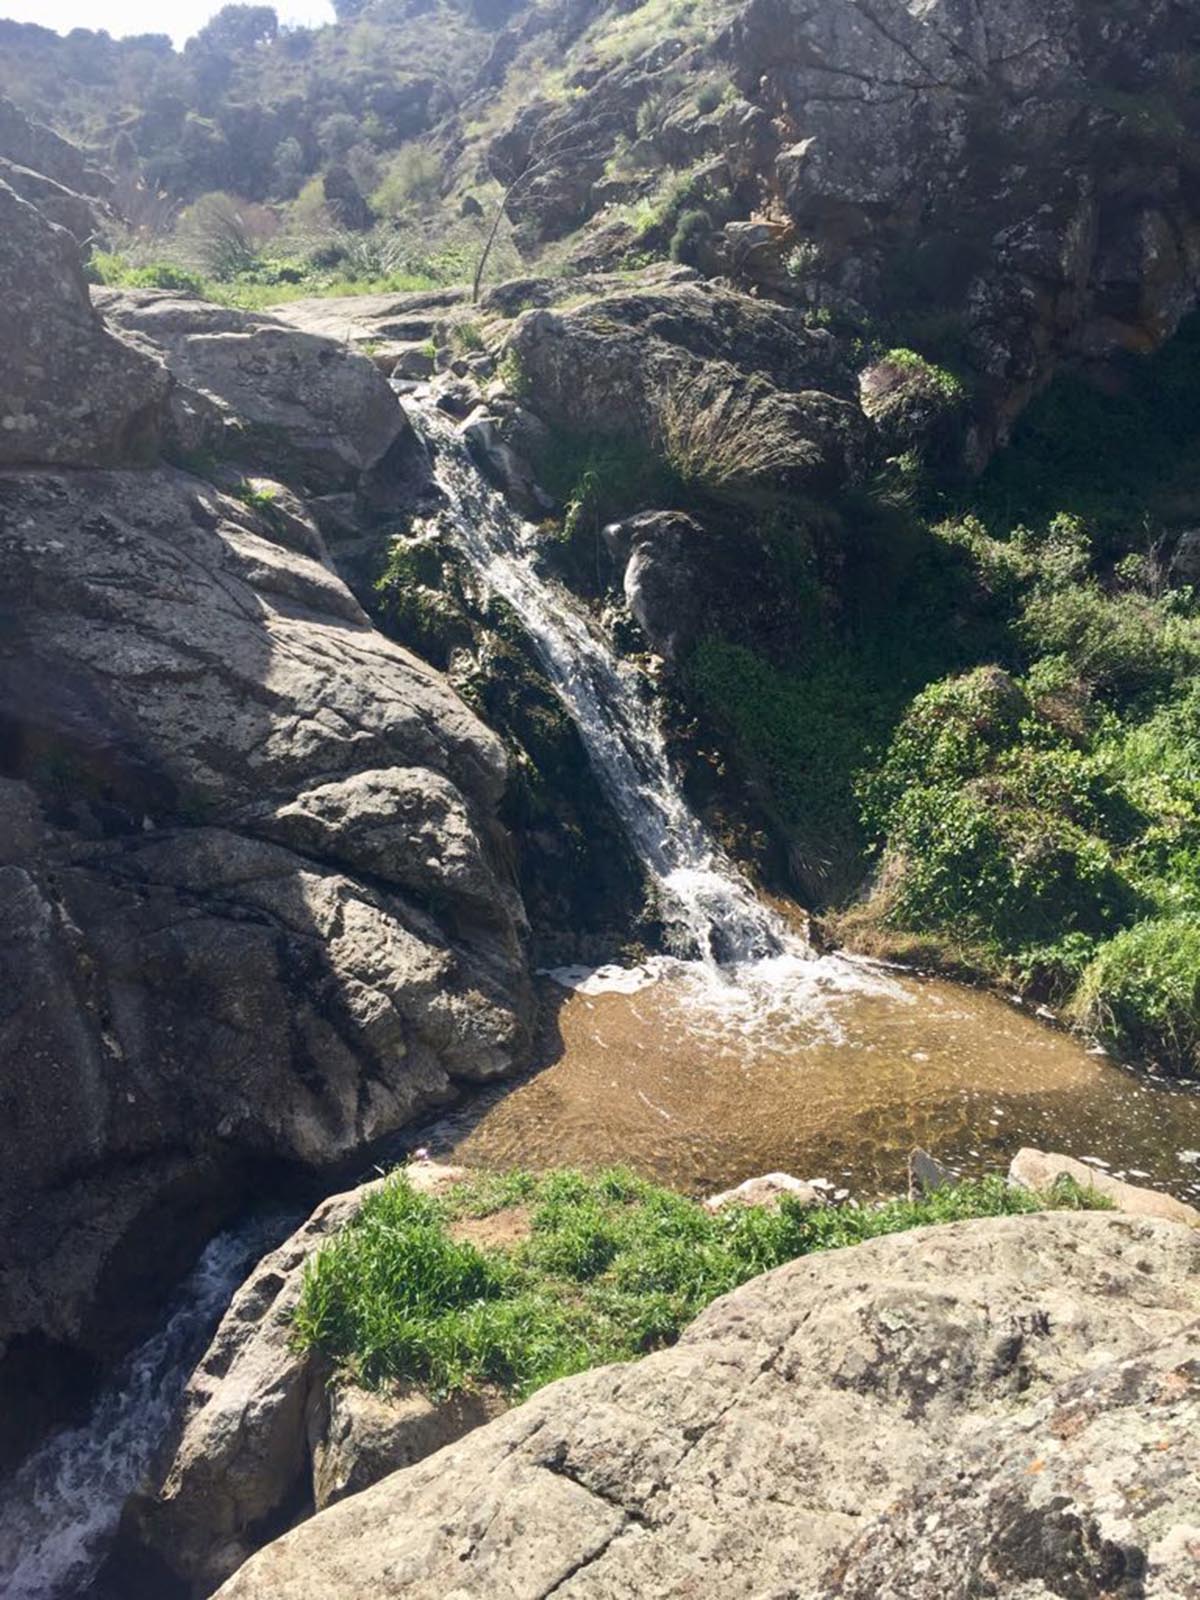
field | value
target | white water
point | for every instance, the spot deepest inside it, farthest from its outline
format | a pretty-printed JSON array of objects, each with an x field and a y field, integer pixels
[
  {"x": 734, "y": 949},
  {"x": 60, "y": 1511}
]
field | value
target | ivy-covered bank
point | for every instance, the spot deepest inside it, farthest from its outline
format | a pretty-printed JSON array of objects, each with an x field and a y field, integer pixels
[{"x": 996, "y": 705}]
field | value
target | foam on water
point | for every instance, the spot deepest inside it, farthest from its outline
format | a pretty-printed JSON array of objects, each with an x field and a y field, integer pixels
[{"x": 60, "y": 1511}]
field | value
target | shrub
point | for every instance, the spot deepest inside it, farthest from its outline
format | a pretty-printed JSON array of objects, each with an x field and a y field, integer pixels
[
  {"x": 613, "y": 1266},
  {"x": 692, "y": 228},
  {"x": 222, "y": 235},
  {"x": 1142, "y": 992},
  {"x": 413, "y": 177}
]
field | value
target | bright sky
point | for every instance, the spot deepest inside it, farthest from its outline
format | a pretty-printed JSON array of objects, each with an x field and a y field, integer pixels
[{"x": 179, "y": 18}]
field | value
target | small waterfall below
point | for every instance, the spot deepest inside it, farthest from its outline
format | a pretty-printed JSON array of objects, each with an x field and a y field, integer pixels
[
  {"x": 59, "y": 1512},
  {"x": 712, "y": 913}
]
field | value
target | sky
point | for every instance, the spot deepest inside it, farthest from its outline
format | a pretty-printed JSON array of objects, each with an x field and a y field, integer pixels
[{"x": 179, "y": 18}]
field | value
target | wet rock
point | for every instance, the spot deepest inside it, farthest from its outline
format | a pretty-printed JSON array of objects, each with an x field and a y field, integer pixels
[
  {"x": 71, "y": 391},
  {"x": 252, "y": 960},
  {"x": 749, "y": 1456},
  {"x": 494, "y": 442},
  {"x": 660, "y": 552},
  {"x": 1039, "y": 1171}
]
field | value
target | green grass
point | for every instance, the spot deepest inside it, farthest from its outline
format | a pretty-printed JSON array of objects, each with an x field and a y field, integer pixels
[{"x": 613, "y": 1267}]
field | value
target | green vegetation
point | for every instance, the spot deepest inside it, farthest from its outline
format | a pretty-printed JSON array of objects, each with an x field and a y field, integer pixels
[
  {"x": 609, "y": 1267},
  {"x": 999, "y": 698}
]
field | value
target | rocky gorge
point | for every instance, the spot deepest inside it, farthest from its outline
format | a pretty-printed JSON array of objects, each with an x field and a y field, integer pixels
[{"x": 363, "y": 656}]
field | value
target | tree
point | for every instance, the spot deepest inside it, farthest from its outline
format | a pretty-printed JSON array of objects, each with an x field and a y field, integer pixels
[
  {"x": 287, "y": 167},
  {"x": 238, "y": 28}
]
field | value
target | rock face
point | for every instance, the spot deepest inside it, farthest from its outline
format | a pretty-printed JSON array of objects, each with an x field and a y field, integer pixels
[
  {"x": 257, "y": 909},
  {"x": 1018, "y": 176},
  {"x": 71, "y": 392},
  {"x": 1044, "y": 1364}
]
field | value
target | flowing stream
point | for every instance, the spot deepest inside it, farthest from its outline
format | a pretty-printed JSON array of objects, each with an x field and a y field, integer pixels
[{"x": 59, "y": 1512}]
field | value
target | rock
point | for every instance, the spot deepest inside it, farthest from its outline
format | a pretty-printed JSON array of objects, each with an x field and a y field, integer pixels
[
  {"x": 1039, "y": 1171},
  {"x": 293, "y": 404},
  {"x": 766, "y": 1191},
  {"x": 660, "y": 552},
  {"x": 489, "y": 438},
  {"x": 71, "y": 392},
  {"x": 58, "y": 204},
  {"x": 721, "y": 383},
  {"x": 1092, "y": 1494},
  {"x": 747, "y": 1460},
  {"x": 945, "y": 135},
  {"x": 38, "y": 149},
  {"x": 262, "y": 1433},
  {"x": 915, "y": 407},
  {"x": 239, "y": 1451},
  {"x": 926, "y": 1174},
  {"x": 345, "y": 201},
  {"x": 254, "y": 858},
  {"x": 358, "y": 1438}
]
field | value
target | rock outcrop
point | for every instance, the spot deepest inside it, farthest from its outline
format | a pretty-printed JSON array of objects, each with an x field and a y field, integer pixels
[
  {"x": 257, "y": 905},
  {"x": 732, "y": 391},
  {"x": 899, "y": 1397},
  {"x": 1011, "y": 182},
  {"x": 71, "y": 391}
]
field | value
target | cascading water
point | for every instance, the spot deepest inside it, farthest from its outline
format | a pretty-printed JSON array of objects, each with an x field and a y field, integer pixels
[
  {"x": 736, "y": 952},
  {"x": 60, "y": 1511},
  {"x": 711, "y": 911}
]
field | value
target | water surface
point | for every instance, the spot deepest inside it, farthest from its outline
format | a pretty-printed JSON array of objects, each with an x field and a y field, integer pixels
[{"x": 839, "y": 1081}]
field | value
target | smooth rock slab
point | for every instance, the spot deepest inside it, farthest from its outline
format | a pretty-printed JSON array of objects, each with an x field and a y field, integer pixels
[{"x": 744, "y": 1461}]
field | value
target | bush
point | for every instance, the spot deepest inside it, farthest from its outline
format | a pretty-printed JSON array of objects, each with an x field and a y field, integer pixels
[
  {"x": 1141, "y": 994},
  {"x": 413, "y": 177},
  {"x": 613, "y": 1266},
  {"x": 222, "y": 235},
  {"x": 691, "y": 230}
]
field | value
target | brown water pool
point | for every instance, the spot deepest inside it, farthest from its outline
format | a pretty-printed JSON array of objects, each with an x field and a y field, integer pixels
[{"x": 841, "y": 1086}]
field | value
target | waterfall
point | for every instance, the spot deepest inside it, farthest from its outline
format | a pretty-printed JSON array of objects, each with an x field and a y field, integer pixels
[
  {"x": 711, "y": 912},
  {"x": 59, "y": 1512}
]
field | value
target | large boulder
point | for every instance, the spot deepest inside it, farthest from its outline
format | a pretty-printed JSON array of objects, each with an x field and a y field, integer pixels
[
  {"x": 264, "y": 1434},
  {"x": 738, "y": 393},
  {"x": 256, "y": 908},
  {"x": 749, "y": 1459},
  {"x": 295, "y": 404},
  {"x": 71, "y": 392}
]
